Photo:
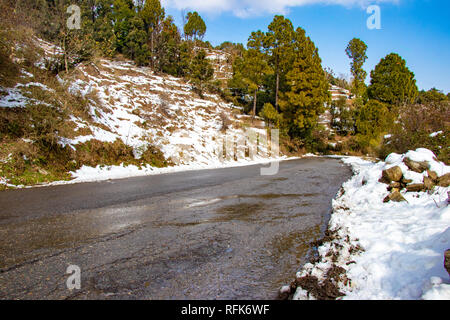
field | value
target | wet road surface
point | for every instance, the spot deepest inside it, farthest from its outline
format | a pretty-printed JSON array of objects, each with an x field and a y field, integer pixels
[{"x": 210, "y": 234}]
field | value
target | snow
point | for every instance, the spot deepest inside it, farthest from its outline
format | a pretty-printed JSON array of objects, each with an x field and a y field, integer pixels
[
  {"x": 102, "y": 173},
  {"x": 403, "y": 242},
  {"x": 434, "y": 134}
]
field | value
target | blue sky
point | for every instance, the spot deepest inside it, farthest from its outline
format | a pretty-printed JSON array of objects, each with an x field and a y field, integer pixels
[{"x": 417, "y": 30}]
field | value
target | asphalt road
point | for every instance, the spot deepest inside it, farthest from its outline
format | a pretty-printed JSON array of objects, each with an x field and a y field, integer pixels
[{"x": 210, "y": 234}]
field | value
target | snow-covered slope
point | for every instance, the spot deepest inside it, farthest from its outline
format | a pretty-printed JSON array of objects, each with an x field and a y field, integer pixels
[
  {"x": 139, "y": 107},
  {"x": 392, "y": 250},
  {"x": 143, "y": 109}
]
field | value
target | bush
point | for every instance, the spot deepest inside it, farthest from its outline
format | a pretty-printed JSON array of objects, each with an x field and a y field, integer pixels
[{"x": 414, "y": 126}]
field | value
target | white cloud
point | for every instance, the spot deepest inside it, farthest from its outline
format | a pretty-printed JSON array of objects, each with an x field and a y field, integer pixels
[{"x": 245, "y": 8}]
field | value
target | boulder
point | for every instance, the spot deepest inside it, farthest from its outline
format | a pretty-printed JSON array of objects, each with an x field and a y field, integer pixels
[
  {"x": 428, "y": 183},
  {"x": 447, "y": 261},
  {"x": 395, "y": 196},
  {"x": 416, "y": 166},
  {"x": 444, "y": 181},
  {"x": 415, "y": 187},
  {"x": 433, "y": 175},
  {"x": 392, "y": 174}
]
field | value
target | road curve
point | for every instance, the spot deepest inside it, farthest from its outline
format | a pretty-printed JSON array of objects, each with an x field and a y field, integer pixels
[{"x": 209, "y": 234}]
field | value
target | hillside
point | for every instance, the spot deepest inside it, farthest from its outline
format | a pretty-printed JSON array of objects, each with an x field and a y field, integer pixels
[{"x": 111, "y": 113}]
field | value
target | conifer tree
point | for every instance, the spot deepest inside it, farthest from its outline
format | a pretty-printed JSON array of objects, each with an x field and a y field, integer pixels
[
  {"x": 122, "y": 14},
  {"x": 201, "y": 72},
  {"x": 168, "y": 50},
  {"x": 279, "y": 42},
  {"x": 152, "y": 14},
  {"x": 356, "y": 50},
  {"x": 392, "y": 82},
  {"x": 302, "y": 105},
  {"x": 195, "y": 27},
  {"x": 254, "y": 67}
]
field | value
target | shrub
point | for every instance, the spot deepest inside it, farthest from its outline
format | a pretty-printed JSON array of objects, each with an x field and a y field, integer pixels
[{"x": 415, "y": 124}]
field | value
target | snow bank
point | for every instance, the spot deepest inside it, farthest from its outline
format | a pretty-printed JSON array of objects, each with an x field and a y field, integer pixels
[
  {"x": 403, "y": 242},
  {"x": 101, "y": 173}
]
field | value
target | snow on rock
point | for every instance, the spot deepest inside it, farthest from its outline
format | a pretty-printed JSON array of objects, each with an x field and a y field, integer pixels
[{"x": 403, "y": 243}]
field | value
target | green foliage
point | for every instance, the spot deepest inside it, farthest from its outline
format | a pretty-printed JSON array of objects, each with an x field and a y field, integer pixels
[
  {"x": 278, "y": 41},
  {"x": 431, "y": 96},
  {"x": 304, "y": 102},
  {"x": 415, "y": 124},
  {"x": 392, "y": 82},
  {"x": 195, "y": 27},
  {"x": 253, "y": 67},
  {"x": 136, "y": 42},
  {"x": 270, "y": 114},
  {"x": 201, "y": 71},
  {"x": 342, "y": 117},
  {"x": 372, "y": 122},
  {"x": 356, "y": 50}
]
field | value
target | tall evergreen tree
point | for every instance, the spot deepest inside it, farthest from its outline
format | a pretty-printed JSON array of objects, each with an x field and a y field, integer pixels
[
  {"x": 392, "y": 82},
  {"x": 195, "y": 27},
  {"x": 152, "y": 14},
  {"x": 356, "y": 51},
  {"x": 279, "y": 42},
  {"x": 123, "y": 12},
  {"x": 254, "y": 66},
  {"x": 302, "y": 105},
  {"x": 168, "y": 51},
  {"x": 201, "y": 71}
]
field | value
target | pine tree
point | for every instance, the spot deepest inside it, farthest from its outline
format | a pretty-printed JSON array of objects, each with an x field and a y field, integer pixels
[
  {"x": 356, "y": 50},
  {"x": 371, "y": 123},
  {"x": 195, "y": 27},
  {"x": 279, "y": 42},
  {"x": 136, "y": 47},
  {"x": 168, "y": 51},
  {"x": 254, "y": 67},
  {"x": 103, "y": 34},
  {"x": 201, "y": 72},
  {"x": 302, "y": 105},
  {"x": 392, "y": 82},
  {"x": 123, "y": 12},
  {"x": 152, "y": 14}
]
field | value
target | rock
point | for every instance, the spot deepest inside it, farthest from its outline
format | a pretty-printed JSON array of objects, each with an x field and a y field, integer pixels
[
  {"x": 394, "y": 186},
  {"x": 415, "y": 187},
  {"x": 447, "y": 261},
  {"x": 433, "y": 175},
  {"x": 416, "y": 166},
  {"x": 428, "y": 183},
  {"x": 395, "y": 196},
  {"x": 444, "y": 181},
  {"x": 406, "y": 181},
  {"x": 392, "y": 174}
]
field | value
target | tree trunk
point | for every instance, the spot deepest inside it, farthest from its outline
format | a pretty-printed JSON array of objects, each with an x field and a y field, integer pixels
[
  {"x": 152, "y": 51},
  {"x": 254, "y": 107},
  {"x": 276, "y": 90},
  {"x": 65, "y": 55}
]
